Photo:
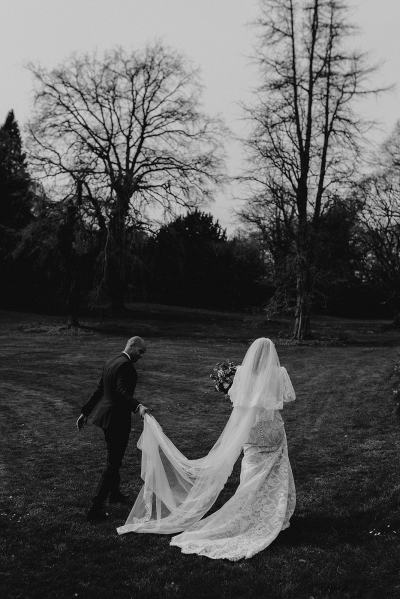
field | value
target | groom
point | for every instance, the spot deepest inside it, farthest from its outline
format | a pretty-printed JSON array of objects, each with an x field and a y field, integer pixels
[{"x": 110, "y": 408}]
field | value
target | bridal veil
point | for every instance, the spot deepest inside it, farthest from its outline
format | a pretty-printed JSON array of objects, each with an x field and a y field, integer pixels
[{"x": 177, "y": 492}]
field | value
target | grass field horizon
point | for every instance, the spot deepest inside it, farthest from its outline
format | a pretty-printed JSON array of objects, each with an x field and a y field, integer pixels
[{"x": 344, "y": 447}]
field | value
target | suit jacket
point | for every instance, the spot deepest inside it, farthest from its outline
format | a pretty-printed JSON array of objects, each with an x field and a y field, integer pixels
[{"x": 113, "y": 399}]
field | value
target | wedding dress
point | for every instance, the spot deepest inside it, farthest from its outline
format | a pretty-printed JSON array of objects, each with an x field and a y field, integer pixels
[{"x": 178, "y": 492}]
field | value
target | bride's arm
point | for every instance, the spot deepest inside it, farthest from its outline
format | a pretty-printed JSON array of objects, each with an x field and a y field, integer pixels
[
  {"x": 234, "y": 384},
  {"x": 288, "y": 389}
]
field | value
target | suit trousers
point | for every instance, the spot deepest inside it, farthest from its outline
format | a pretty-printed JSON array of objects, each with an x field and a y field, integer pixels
[{"x": 116, "y": 437}]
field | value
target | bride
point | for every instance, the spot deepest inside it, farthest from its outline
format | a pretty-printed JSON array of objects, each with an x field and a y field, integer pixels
[{"x": 177, "y": 492}]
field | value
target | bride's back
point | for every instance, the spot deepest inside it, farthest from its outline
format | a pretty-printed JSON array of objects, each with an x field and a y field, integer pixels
[{"x": 267, "y": 432}]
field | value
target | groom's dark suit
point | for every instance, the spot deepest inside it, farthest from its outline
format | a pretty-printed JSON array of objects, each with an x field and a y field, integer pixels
[{"x": 110, "y": 407}]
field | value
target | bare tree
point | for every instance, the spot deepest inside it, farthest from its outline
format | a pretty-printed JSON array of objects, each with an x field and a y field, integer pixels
[
  {"x": 275, "y": 228},
  {"x": 307, "y": 135},
  {"x": 129, "y": 128},
  {"x": 380, "y": 221}
]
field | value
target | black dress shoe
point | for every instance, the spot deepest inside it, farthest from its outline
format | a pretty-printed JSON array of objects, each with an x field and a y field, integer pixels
[
  {"x": 96, "y": 514},
  {"x": 120, "y": 498}
]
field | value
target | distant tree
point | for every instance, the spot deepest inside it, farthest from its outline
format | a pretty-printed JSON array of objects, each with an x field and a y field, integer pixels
[
  {"x": 57, "y": 253},
  {"x": 194, "y": 264},
  {"x": 185, "y": 255},
  {"x": 338, "y": 279},
  {"x": 380, "y": 232},
  {"x": 335, "y": 266},
  {"x": 307, "y": 131},
  {"x": 74, "y": 244},
  {"x": 15, "y": 183},
  {"x": 196, "y": 226},
  {"x": 275, "y": 231},
  {"x": 36, "y": 256},
  {"x": 247, "y": 274},
  {"x": 16, "y": 200},
  {"x": 128, "y": 126}
]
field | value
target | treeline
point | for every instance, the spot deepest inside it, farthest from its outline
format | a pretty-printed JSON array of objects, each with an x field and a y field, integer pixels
[
  {"x": 119, "y": 142},
  {"x": 53, "y": 260}
]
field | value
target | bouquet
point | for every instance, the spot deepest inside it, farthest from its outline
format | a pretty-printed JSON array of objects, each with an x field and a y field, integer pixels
[{"x": 222, "y": 375}]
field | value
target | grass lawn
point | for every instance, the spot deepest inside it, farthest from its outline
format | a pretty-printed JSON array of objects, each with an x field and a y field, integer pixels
[{"x": 344, "y": 448}]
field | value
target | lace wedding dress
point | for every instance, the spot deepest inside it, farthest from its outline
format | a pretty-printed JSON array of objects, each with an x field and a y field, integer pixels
[
  {"x": 178, "y": 492},
  {"x": 261, "y": 507}
]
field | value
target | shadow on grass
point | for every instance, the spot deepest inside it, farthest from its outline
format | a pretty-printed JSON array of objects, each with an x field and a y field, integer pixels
[{"x": 325, "y": 531}]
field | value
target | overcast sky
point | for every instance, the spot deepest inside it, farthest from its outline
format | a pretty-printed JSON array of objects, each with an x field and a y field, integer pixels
[{"x": 215, "y": 34}]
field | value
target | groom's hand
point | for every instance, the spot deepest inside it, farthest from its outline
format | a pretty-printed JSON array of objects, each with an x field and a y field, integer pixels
[{"x": 81, "y": 422}]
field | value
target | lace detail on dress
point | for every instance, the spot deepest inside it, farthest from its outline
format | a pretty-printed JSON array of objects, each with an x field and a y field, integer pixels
[
  {"x": 261, "y": 507},
  {"x": 267, "y": 433}
]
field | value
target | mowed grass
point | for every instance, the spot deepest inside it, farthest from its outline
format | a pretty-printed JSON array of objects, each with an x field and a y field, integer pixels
[{"x": 344, "y": 447}]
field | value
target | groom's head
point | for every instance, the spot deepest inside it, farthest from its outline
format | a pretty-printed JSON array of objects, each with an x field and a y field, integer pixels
[{"x": 135, "y": 347}]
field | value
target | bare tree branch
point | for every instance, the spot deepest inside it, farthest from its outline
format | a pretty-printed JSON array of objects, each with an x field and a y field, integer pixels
[{"x": 307, "y": 134}]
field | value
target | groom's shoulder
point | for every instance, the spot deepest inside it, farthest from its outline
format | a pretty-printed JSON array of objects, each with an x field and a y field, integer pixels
[{"x": 117, "y": 362}]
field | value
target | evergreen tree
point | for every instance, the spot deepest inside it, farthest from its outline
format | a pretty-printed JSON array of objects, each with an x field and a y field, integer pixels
[
  {"x": 185, "y": 259},
  {"x": 15, "y": 184},
  {"x": 194, "y": 264},
  {"x": 16, "y": 199}
]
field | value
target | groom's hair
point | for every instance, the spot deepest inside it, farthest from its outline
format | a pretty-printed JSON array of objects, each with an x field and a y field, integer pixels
[{"x": 134, "y": 342}]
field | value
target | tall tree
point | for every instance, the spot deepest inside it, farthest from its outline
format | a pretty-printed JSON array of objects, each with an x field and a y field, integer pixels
[
  {"x": 185, "y": 259},
  {"x": 192, "y": 263},
  {"x": 15, "y": 183},
  {"x": 307, "y": 133},
  {"x": 57, "y": 254},
  {"x": 73, "y": 257},
  {"x": 380, "y": 219},
  {"x": 129, "y": 127},
  {"x": 16, "y": 198},
  {"x": 274, "y": 229},
  {"x": 338, "y": 265}
]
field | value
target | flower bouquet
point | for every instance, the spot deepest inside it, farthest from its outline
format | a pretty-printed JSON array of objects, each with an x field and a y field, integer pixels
[{"x": 222, "y": 375}]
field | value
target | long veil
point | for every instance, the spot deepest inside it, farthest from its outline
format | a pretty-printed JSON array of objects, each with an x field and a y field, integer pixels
[{"x": 177, "y": 492}]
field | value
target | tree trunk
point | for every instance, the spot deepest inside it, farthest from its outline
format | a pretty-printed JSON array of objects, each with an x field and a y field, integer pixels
[
  {"x": 68, "y": 237},
  {"x": 302, "y": 325},
  {"x": 75, "y": 289},
  {"x": 115, "y": 275},
  {"x": 74, "y": 298},
  {"x": 115, "y": 257},
  {"x": 304, "y": 242}
]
